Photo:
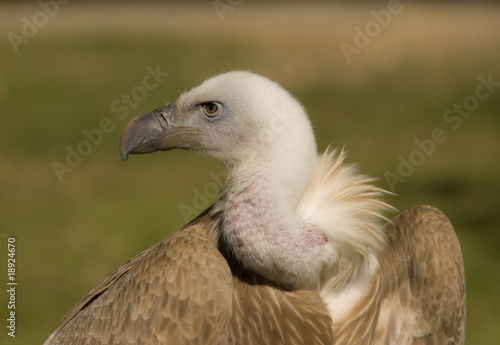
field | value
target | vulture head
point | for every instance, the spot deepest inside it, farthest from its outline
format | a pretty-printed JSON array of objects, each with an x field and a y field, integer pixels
[{"x": 239, "y": 118}]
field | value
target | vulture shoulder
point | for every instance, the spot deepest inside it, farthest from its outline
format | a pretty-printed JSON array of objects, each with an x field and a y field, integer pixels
[
  {"x": 183, "y": 291},
  {"x": 423, "y": 281}
]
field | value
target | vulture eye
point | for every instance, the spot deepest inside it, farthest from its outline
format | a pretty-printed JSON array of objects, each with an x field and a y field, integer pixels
[{"x": 211, "y": 109}]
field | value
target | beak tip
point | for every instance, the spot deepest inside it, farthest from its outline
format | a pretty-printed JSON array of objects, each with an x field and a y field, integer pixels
[{"x": 124, "y": 151}]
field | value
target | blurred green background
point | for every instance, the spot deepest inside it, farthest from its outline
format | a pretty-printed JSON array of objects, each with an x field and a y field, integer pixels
[{"x": 67, "y": 70}]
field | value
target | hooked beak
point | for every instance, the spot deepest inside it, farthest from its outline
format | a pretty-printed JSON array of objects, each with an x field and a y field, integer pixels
[{"x": 153, "y": 132}]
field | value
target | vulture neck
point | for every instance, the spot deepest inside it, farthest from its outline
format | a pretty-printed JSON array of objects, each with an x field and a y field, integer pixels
[{"x": 259, "y": 222}]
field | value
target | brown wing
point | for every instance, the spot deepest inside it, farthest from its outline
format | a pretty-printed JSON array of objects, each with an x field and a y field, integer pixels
[
  {"x": 423, "y": 281},
  {"x": 177, "y": 292},
  {"x": 266, "y": 315},
  {"x": 182, "y": 291}
]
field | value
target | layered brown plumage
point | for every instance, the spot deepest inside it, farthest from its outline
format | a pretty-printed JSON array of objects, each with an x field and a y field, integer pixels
[
  {"x": 183, "y": 291},
  {"x": 423, "y": 281}
]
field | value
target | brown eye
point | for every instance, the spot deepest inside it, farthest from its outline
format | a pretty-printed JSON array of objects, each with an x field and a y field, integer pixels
[{"x": 211, "y": 109}]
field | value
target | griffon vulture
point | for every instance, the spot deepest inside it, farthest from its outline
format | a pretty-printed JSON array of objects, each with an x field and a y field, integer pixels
[{"x": 291, "y": 253}]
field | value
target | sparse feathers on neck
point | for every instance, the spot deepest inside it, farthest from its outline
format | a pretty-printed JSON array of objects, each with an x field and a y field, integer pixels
[{"x": 337, "y": 202}]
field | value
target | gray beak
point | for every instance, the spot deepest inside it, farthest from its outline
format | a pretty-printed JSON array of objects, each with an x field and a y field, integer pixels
[{"x": 153, "y": 132}]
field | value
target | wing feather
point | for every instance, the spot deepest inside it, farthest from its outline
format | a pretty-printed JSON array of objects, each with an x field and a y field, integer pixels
[
  {"x": 185, "y": 291},
  {"x": 423, "y": 282},
  {"x": 177, "y": 292},
  {"x": 267, "y": 315}
]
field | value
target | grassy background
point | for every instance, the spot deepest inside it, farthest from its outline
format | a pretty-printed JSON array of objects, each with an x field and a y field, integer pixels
[{"x": 64, "y": 80}]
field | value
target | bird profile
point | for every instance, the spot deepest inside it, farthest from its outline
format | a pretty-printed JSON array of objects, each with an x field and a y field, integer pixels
[{"x": 292, "y": 252}]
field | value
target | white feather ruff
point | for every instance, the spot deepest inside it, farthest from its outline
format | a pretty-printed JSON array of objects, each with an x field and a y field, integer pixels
[{"x": 345, "y": 206}]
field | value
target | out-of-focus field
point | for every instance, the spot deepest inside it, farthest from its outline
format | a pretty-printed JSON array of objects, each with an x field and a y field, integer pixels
[{"x": 71, "y": 74}]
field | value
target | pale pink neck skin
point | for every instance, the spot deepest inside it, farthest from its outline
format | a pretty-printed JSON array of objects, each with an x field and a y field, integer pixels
[{"x": 263, "y": 232}]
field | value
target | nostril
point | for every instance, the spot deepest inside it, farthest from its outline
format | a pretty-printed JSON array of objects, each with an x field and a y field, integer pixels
[
  {"x": 163, "y": 114},
  {"x": 160, "y": 116}
]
